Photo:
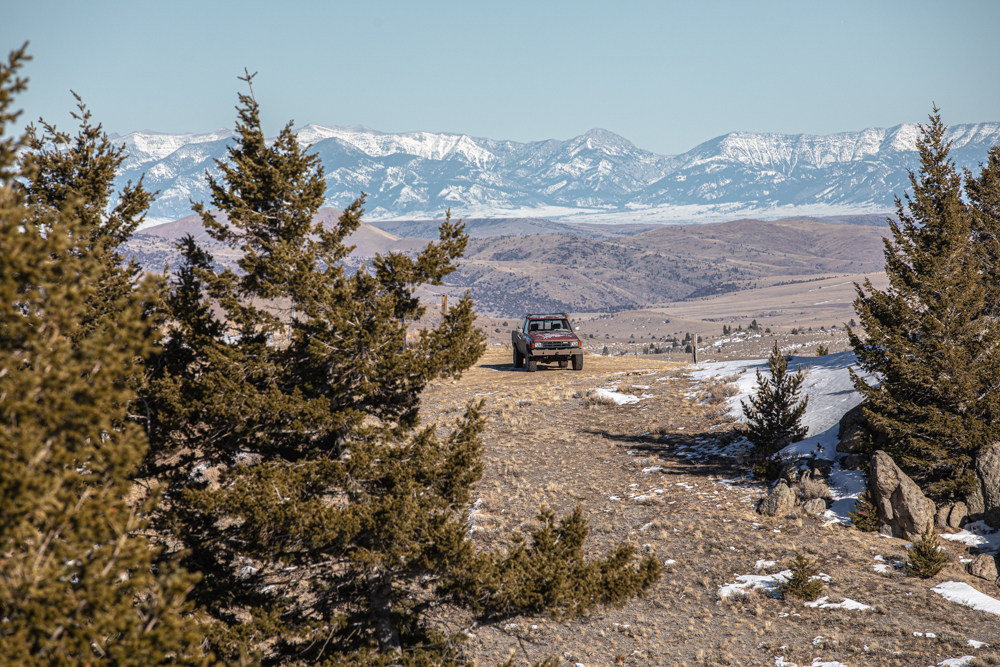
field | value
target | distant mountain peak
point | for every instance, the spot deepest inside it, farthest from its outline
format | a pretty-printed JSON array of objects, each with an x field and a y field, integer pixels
[{"x": 596, "y": 175}]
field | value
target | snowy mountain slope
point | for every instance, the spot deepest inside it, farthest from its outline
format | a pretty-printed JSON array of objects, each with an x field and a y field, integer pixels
[
  {"x": 417, "y": 175},
  {"x": 866, "y": 168}
]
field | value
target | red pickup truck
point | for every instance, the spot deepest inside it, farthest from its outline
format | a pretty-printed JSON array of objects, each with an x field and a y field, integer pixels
[{"x": 547, "y": 339}]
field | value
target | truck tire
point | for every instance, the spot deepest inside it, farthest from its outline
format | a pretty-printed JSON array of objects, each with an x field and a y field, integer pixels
[
  {"x": 532, "y": 365},
  {"x": 577, "y": 362},
  {"x": 564, "y": 363},
  {"x": 518, "y": 358}
]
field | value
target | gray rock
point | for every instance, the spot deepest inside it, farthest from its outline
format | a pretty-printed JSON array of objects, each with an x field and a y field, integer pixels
[
  {"x": 983, "y": 566},
  {"x": 789, "y": 473},
  {"x": 815, "y": 507},
  {"x": 902, "y": 507},
  {"x": 958, "y": 513},
  {"x": 974, "y": 501},
  {"x": 988, "y": 469},
  {"x": 941, "y": 516},
  {"x": 854, "y": 461},
  {"x": 821, "y": 467},
  {"x": 778, "y": 503},
  {"x": 852, "y": 431}
]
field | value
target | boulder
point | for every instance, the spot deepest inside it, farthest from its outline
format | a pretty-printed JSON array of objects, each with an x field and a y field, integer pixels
[
  {"x": 778, "y": 503},
  {"x": 988, "y": 470},
  {"x": 974, "y": 501},
  {"x": 854, "y": 461},
  {"x": 789, "y": 473},
  {"x": 821, "y": 467},
  {"x": 983, "y": 566},
  {"x": 941, "y": 516},
  {"x": 957, "y": 515},
  {"x": 815, "y": 507},
  {"x": 852, "y": 431},
  {"x": 902, "y": 508}
]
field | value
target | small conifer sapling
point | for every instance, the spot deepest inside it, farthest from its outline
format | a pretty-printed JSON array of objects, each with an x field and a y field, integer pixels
[
  {"x": 926, "y": 557},
  {"x": 774, "y": 414},
  {"x": 864, "y": 516},
  {"x": 804, "y": 582}
]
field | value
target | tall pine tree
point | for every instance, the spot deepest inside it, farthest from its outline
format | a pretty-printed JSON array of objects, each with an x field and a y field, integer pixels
[
  {"x": 284, "y": 417},
  {"x": 76, "y": 174},
  {"x": 931, "y": 337},
  {"x": 77, "y": 582}
]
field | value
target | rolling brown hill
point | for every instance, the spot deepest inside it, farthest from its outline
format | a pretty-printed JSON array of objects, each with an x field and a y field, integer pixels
[
  {"x": 155, "y": 246},
  {"x": 510, "y": 275}
]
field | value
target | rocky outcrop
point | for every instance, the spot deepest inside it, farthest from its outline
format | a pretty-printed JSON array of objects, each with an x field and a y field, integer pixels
[
  {"x": 853, "y": 431},
  {"x": 814, "y": 507},
  {"x": 988, "y": 471},
  {"x": 778, "y": 503},
  {"x": 957, "y": 516},
  {"x": 941, "y": 517},
  {"x": 983, "y": 566},
  {"x": 902, "y": 508},
  {"x": 857, "y": 461}
]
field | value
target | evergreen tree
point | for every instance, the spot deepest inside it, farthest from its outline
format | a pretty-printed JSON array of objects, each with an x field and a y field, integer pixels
[
  {"x": 77, "y": 583},
  {"x": 283, "y": 417},
  {"x": 926, "y": 557},
  {"x": 804, "y": 582},
  {"x": 774, "y": 414},
  {"x": 77, "y": 174},
  {"x": 983, "y": 193},
  {"x": 930, "y": 338}
]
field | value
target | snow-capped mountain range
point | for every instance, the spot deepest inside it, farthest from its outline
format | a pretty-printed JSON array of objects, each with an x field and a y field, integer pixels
[{"x": 596, "y": 177}]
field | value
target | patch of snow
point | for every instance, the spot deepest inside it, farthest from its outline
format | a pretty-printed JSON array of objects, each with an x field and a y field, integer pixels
[
  {"x": 977, "y": 644},
  {"x": 964, "y": 661},
  {"x": 779, "y": 661},
  {"x": 964, "y": 594},
  {"x": 831, "y": 394},
  {"x": 979, "y": 535},
  {"x": 847, "y": 603},
  {"x": 619, "y": 399}
]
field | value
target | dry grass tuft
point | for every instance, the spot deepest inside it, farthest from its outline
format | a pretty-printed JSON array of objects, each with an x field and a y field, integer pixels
[
  {"x": 592, "y": 399},
  {"x": 809, "y": 488},
  {"x": 720, "y": 391},
  {"x": 625, "y": 388}
]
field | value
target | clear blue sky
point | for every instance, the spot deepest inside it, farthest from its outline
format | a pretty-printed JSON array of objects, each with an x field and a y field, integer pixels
[{"x": 666, "y": 75}]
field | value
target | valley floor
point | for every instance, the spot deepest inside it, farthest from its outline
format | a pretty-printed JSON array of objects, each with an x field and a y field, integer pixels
[{"x": 631, "y": 469}]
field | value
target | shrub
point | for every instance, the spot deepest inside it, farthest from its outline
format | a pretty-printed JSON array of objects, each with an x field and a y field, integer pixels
[
  {"x": 926, "y": 558},
  {"x": 803, "y": 583},
  {"x": 822, "y": 350},
  {"x": 864, "y": 516},
  {"x": 809, "y": 488}
]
